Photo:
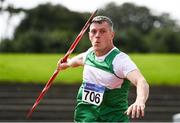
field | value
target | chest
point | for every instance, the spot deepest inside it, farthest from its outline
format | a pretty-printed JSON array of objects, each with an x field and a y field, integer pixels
[{"x": 98, "y": 76}]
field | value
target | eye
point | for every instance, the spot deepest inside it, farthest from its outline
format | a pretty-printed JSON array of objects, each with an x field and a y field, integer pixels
[
  {"x": 93, "y": 31},
  {"x": 102, "y": 31}
]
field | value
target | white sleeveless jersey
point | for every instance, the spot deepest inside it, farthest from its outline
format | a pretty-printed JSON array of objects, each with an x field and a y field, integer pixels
[{"x": 121, "y": 65}]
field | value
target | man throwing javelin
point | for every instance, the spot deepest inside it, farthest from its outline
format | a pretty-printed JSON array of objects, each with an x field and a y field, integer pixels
[{"x": 107, "y": 74}]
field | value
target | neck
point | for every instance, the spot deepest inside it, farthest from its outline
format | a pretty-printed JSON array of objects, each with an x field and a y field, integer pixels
[{"x": 104, "y": 51}]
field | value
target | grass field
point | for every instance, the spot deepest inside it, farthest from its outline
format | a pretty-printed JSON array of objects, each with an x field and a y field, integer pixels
[{"x": 159, "y": 69}]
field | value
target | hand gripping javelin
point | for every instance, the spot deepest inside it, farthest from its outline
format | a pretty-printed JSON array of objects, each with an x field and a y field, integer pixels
[{"x": 64, "y": 59}]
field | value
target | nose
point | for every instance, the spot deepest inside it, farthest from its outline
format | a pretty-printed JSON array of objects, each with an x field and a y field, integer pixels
[{"x": 97, "y": 35}]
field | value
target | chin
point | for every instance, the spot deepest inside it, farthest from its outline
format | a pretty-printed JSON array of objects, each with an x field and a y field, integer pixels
[{"x": 95, "y": 48}]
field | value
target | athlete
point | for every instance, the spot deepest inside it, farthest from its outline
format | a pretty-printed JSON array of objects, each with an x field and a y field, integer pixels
[{"x": 107, "y": 74}]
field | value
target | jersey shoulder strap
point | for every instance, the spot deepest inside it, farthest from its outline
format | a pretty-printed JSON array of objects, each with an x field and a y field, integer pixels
[{"x": 105, "y": 65}]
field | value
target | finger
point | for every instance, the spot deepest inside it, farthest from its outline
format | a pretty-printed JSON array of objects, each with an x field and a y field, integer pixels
[
  {"x": 58, "y": 66},
  {"x": 129, "y": 110},
  {"x": 59, "y": 63},
  {"x": 138, "y": 110},
  {"x": 61, "y": 66},
  {"x": 133, "y": 113},
  {"x": 142, "y": 110}
]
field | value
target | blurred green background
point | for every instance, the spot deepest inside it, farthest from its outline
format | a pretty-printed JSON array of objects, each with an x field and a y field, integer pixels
[
  {"x": 47, "y": 31},
  {"x": 158, "y": 69}
]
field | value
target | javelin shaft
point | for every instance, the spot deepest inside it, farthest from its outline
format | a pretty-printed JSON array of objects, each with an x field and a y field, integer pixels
[
  {"x": 42, "y": 93},
  {"x": 78, "y": 38},
  {"x": 64, "y": 59}
]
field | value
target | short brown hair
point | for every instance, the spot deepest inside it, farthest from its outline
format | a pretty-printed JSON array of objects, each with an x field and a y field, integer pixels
[{"x": 100, "y": 19}]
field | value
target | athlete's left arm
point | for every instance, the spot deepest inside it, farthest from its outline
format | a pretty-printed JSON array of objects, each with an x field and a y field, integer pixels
[{"x": 142, "y": 89}]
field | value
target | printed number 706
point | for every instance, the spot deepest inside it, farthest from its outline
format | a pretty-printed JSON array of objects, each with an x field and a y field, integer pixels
[{"x": 93, "y": 97}]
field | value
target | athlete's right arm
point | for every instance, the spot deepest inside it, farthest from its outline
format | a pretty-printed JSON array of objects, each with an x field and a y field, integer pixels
[{"x": 73, "y": 62}]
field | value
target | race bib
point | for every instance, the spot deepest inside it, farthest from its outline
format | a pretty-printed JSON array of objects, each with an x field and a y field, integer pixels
[{"x": 93, "y": 93}]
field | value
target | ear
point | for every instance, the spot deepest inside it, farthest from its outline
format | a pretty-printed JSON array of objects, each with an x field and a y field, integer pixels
[{"x": 112, "y": 34}]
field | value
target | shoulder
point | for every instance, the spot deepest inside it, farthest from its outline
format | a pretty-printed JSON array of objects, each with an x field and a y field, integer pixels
[
  {"x": 123, "y": 64},
  {"x": 121, "y": 57},
  {"x": 86, "y": 53}
]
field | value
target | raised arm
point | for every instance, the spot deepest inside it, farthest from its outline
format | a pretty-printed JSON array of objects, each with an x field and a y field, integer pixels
[{"x": 73, "y": 62}]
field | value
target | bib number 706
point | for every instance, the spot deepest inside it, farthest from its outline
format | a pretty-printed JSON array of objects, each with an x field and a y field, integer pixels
[{"x": 92, "y": 97}]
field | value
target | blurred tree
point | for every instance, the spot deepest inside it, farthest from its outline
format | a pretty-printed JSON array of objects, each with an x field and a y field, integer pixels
[
  {"x": 1, "y": 5},
  {"x": 129, "y": 15},
  {"x": 132, "y": 41},
  {"x": 160, "y": 40},
  {"x": 55, "y": 24},
  {"x": 48, "y": 17},
  {"x": 32, "y": 41},
  {"x": 6, "y": 45},
  {"x": 133, "y": 24},
  {"x": 52, "y": 28}
]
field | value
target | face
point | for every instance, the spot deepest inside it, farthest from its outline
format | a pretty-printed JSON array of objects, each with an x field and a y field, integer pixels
[{"x": 101, "y": 36}]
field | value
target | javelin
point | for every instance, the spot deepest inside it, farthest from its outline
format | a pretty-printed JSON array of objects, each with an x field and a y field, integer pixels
[{"x": 64, "y": 59}]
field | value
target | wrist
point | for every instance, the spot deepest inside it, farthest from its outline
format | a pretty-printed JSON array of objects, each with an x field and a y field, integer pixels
[{"x": 140, "y": 100}]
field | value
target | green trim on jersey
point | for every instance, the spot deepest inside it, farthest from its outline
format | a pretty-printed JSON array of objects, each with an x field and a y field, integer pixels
[
  {"x": 105, "y": 65},
  {"x": 115, "y": 101}
]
